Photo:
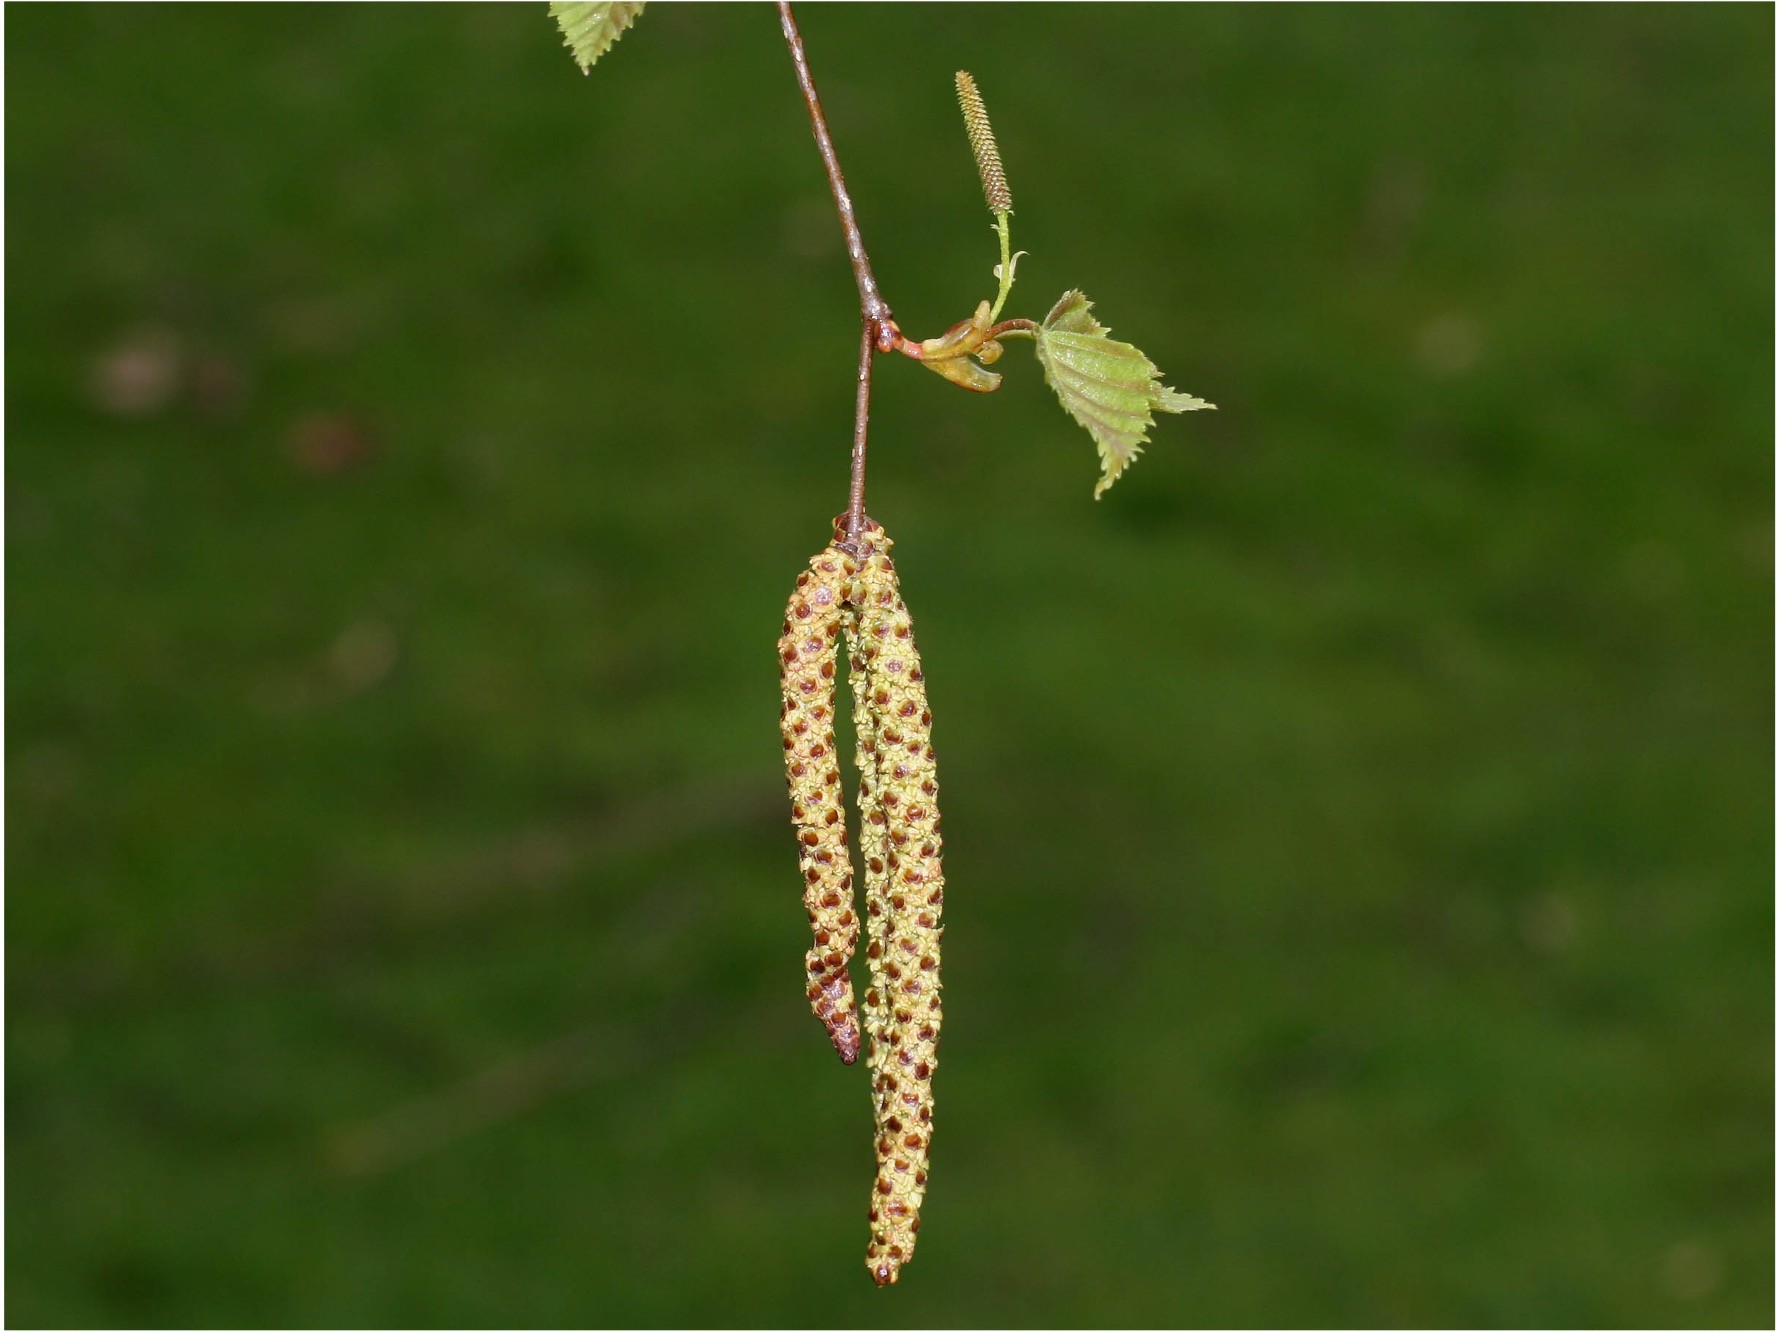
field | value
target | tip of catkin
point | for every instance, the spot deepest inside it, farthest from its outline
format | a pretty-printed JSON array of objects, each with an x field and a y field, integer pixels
[
  {"x": 845, "y": 1035},
  {"x": 982, "y": 143},
  {"x": 834, "y": 1008}
]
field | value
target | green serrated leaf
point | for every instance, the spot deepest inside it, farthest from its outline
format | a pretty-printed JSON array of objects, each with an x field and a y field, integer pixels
[
  {"x": 1110, "y": 387},
  {"x": 589, "y": 30}
]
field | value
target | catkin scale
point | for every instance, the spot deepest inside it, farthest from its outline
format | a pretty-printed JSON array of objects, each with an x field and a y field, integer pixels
[
  {"x": 905, "y": 893},
  {"x": 806, "y": 652}
]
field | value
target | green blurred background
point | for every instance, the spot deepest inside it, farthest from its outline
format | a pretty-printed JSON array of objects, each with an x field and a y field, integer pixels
[{"x": 1359, "y": 822}]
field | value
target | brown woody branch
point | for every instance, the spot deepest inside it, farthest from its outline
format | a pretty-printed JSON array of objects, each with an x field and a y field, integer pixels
[{"x": 880, "y": 333}]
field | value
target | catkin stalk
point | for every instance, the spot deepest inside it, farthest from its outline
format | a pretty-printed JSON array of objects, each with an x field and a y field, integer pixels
[{"x": 806, "y": 649}]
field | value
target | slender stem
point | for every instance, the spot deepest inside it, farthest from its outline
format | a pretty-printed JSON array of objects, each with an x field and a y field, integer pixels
[
  {"x": 879, "y": 331},
  {"x": 871, "y": 303},
  {"x": 855, "y": 497},
  {"x": 1006, "y": 269}
]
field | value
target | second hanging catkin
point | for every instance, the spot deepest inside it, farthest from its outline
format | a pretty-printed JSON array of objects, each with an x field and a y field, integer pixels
[
  {"x": 904, "y": 895},
  {"x": 806, "y": 649}
]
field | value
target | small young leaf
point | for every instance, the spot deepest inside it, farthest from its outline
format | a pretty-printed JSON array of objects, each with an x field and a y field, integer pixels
[
  {"x": 589, "y": 30},
  {"x": 1110, "y": 387}
]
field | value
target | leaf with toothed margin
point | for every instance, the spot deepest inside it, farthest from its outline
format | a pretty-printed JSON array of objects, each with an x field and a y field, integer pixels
[
  {"x": 1110, "y": 387},
  {"x": 589, "y": 30}
]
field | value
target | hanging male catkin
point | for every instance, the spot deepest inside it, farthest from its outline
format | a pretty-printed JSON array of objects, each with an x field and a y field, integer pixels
[
  {"x": 860, "y": 601},
  {"x": 806, "y": 649},
  {"x": 905, "y": 892}
]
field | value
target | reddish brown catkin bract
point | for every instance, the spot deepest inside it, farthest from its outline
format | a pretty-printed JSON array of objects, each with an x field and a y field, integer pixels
[
  {"x": 812, "y": 626},
  {"x": 905, "y": 891}
]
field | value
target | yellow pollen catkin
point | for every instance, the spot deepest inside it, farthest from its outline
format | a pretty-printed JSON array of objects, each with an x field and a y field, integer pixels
[
  {"x": 806, "y": 651},
  {"x": 858, "y": 601},
  {"x": 904, "y": 891}
]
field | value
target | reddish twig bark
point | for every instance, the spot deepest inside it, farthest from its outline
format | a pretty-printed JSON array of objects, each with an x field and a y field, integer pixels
[{"x": 880, "y": 333}]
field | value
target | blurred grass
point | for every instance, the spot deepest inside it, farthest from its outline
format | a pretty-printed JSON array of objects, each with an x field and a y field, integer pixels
[{"x": 1359, "y": 822}]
